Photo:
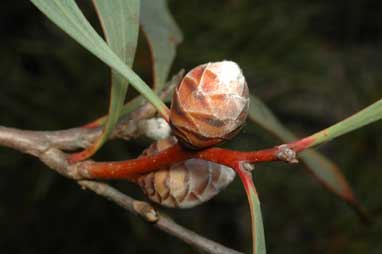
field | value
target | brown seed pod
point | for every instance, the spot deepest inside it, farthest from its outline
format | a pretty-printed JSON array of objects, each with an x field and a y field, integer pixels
[
  {"x": 184, "y": 184},
  {"x": 210, "y": 105}
]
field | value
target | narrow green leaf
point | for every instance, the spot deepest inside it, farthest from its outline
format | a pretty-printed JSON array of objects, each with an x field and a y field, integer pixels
[
  {"x": 67, "y": 15},
  {"x": 138, "y": 101},
  {"x": 119, "y": 20},
  {"x": 258, "y": 236},
  {"x": 364, "y": 117},
  {"x": 120, "y": 24},
  {"x": 325, "y": 171},
  {"x": 163, "y": 36},
  {"x": 331, "y": 177}
]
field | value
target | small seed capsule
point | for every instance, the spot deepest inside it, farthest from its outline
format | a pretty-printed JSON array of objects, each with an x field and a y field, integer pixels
[
  {"x": 185, "y": 184},
  {"x": 210, "y": 105}
]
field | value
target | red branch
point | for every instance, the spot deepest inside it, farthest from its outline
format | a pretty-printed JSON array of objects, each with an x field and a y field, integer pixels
[{"x": 176, "y": 153}]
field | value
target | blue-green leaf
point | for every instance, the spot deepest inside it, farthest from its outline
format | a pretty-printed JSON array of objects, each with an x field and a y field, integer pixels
[
  {"x": 257, "y": 227},
  {"x": 163, "y": 36},
  {"x": 325, "y": 171},
  {"x": 119, "y": 20},
  {"x": 68, "y": 16}
]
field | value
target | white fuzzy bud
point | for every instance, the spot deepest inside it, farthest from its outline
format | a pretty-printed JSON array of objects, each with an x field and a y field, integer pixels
[{"x": 154, "y": 128}]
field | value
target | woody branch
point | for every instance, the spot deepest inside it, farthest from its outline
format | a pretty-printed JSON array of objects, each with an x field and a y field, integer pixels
[
  {"x": 49, "y": 146},
  {"x": 176, "y": 153}
]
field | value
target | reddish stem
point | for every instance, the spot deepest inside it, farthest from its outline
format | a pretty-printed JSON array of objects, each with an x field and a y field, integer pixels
[
  {"x": 92, "y": 125},
  {"x": 126, "y": 169},
  {"x": 84, "y": 154},
  {"x": 176, "y": 153}
]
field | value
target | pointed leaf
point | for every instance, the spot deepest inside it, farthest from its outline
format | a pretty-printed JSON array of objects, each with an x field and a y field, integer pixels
[
  {"x": 368, "y": 115},
  {"x": 138, "y": 101},
  {"x": 163, "y": 36},
  {"x": 325, "y": 171},
  {"x": 258, "y": 237},
  {"x": 119, "y": 20},
  {"x": 120, "y": 24},
  {"x": 69, "y": 17}
]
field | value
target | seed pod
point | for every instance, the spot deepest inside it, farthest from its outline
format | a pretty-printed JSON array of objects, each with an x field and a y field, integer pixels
[
  {"x": 185, "y": 184},
  {"x": 210, "y": 105}
]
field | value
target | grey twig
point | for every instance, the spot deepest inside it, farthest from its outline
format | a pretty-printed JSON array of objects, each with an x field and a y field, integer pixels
[
  {"x": 45, "y": 146},
  {"x": 158, "y": 219}
]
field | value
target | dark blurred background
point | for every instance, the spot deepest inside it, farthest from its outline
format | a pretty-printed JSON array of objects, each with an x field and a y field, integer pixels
[{"x": 312, "y": 62}]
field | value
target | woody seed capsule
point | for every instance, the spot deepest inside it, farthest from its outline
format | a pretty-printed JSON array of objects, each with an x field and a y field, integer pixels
[
  {"x": 184, "y": 184},
  {"x": 210, "y": 105}
]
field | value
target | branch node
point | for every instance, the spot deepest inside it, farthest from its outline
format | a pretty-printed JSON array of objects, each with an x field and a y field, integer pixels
[
  {"x": 286, "y": 154},
  {"x": 145, "y": 210},
  {"x": 80, "y": 170},
  {"x": 248, "y": 166}
]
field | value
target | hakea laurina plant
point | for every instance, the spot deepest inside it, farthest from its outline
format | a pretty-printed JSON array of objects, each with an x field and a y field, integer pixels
[{"x": 209, "y": 106}]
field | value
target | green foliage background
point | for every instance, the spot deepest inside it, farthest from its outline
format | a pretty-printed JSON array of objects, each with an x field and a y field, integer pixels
[{"x": 312, "y": 62}]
